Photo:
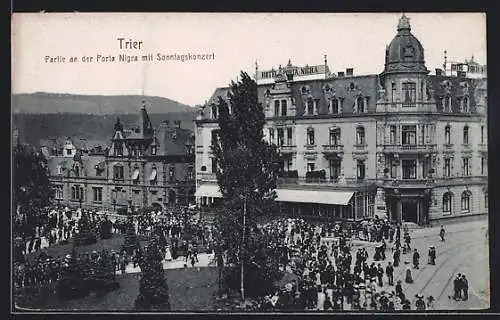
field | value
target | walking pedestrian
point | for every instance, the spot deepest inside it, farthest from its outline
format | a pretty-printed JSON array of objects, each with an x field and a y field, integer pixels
[
  {"x": 465, "y": 288},
  {"x": 396, "y": 257},
  {"x": 432, "y": 255},
  {"x": 408, "y": 278},
  {"x": 441, "y": 233},
  {"x": 416, "y": 258},
  {"x": 420, "y": 303},
  {"x": 389, "y": 270},
  {"x": 380, "y": 273}
]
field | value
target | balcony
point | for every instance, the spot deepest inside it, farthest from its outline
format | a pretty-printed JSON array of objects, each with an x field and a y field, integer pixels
[
  {"x": 408, "y": 104},
  {"x": 408, "y": 183},
  {"x": 333, "y": 148},
  {"x": 448, "y": 146},
  {"x": 339, "y": 182},
  {"x": 482, "y": 147},
  {"x": 360, "y": 148},
  {"x": 287, "y": 149},
  {"x": 409, "y": 148},
  {"x": 310, "y": 149}
]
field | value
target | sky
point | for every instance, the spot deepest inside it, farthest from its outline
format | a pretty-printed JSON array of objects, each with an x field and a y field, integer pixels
[{"x": 236, "y": 41}]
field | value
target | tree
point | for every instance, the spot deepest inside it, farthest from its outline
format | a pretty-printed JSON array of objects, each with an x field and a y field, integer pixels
[
  {"x": 32, "y": 190},
  {"x": 85, "y": 235},
  {"x": 153, "y": 288},
  {"x": 247, "y": 172}
]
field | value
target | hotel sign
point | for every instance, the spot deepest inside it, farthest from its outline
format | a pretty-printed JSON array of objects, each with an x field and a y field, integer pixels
[{"x": 295, "y": 71}]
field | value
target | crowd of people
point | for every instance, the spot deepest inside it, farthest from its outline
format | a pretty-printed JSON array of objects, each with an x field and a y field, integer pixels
[{"x": 331, "y": 274}]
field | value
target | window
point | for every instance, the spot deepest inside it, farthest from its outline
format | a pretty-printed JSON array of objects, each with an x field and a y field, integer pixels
[
  {"x": 447, "y": 203},
  {"x": 289, "y": 164},
  {"x": 465, "y": 104},
  {"x": 447, "y": 104},
  {"x": 171, "y": 173},
  {"x": 153, "y": 179},
  {"x": 59, "y": 169},
  {"x": 360, "y": 102},
  {"x": 310, "y": 136},
  {"x": 118, "y": 149},
  {"x": 77, "y": 171},
  {"x": 486, "y": 199},
  {"x": 189, "y": 174},
  {"x": 97, "y": 191},
  {"x": 335, "y": 105},
  {"x": 310, "y": 106},
  {"x": 271, "y": 135},
  {"x": 118, "y": 172},
  {"x": 447, "y": 134},
  {"x": 447, "y": 167},
  {"x": 465, "y": 203},
  {"x": 69, "y": 152},
  {"x": 76, "y": 192},
  {"x": 334, "y": 136},
  {"x": 135, "y": 176},
  {"x": 482, "y": 134},
  {"x": 409, "y": 92},
  {"x": 335, "y": 165},
  {"x": 394, "y": 168},
  {"x": 215, "y": 137},
  {"x": 289, "y": 138},
  {"x": 466, "y": 135},
  {"x": 360, "y": 169},
  {"x": 393, "y": 135},
  {"x": 59, "y": 192},
  {"x": 426, "y": 167},
  {"x": 360, "y": 135},
  {"x": 214, "y": 112},
  {"x": 281, "y": 136},
  {"x": 466, "y": 167},
  {"x": 283, "y": 108},
  {"x": 153, "y": 150},
  {"x": 483, "y": 166},
  {"x": 311, "y": 166},
  {"x": 276, "y": 108},
  {"x": 214, "y": 165},
  {"x": 393, "y": 95},
  {"x": 409, "y": 169},
  {"x": 409, "y": 135}
]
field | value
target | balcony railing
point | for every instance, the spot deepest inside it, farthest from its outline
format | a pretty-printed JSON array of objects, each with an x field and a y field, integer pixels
[
  {"x": 333, "y": 148},
  {"x": 402, "y": 182},
  {"x": 448, "y": 146},
  {"x": 287, "y": 149},
  {"x": 410, "y": 148},
  {"x": 408, "y": 104},
  {"x": 360, "y": 147},
  {"x": 327, "y": 181}
]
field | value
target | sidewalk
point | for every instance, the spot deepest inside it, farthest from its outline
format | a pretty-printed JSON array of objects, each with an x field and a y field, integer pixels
[{"x": 204, "y": 260}]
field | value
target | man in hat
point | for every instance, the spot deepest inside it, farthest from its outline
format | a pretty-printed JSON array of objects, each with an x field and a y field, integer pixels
[
  {"x": 416, "y": 258},
  {"x": 432, "y": 255},
  {"x": 457, "y": 287},
  {"x": 420, "y": 303},
  {"x": 389, "y": 270},
  {"x": 355, "y": 298},
  {"x": 465, "y": 288},
  {"x": 396, "y": 257},
  {"x": 441, "y": 233},
  {"x": 380, "y": 274}
]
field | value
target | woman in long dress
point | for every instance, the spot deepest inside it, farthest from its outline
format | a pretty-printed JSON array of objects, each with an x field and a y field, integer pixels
[{"x": 168, "y": 254}]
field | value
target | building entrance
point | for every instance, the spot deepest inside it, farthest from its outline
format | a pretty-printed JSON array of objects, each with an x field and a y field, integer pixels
[{"x": 409, "y": 211}]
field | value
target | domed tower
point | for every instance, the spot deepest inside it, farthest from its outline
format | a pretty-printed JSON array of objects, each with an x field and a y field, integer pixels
[{"x": 403, "y": 81}]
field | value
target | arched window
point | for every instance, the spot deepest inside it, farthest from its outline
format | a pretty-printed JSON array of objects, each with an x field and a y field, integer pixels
[
  {"x": 310, "y": 136},
  {"x": 335, "y": 105},
  {"x": 465, "y": 202},
  {"x": 447, "y": 134},
  {"x": 360, "y": 135},
  {"x": 466, "y": 135},
  {"x": 360, "y": 102},
  {"x": 118, "y": 172},
  {"x": 447, "y": 203}
]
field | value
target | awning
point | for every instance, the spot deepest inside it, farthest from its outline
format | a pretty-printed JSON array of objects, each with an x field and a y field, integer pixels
[
  {"x": 314, "y": 196},
  {"x": 153, "y": 175},
  {"x": 135, "y": 176},
  {"x": 206, "y": 190}
]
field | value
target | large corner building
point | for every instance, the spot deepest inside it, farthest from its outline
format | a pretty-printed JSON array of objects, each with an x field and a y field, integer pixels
[{"x": 402, "y": 144}]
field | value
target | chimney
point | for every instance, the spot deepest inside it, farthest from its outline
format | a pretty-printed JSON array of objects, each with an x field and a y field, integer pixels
[
  {"x": 341, "y": 74},
  {"x": 439, "y": 72},
  {"x": 349, "y": 72}
]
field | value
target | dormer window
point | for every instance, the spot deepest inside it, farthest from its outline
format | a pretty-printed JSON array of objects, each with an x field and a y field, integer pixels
[
  {"x": 310, "y": 136},
  {"x": 334, "y": 106},
  {"x": 153, "y": 150},
  {"x": 283, "y": 108},
  {"x": 447, "y": 103},
  {"x": 276, "y": 108},
  {"x": 360, "y": 105},
  {"x": 77, "y": 171},
  {"x": 409, "y": 92},
  {"x": 59, "y": 169}
]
